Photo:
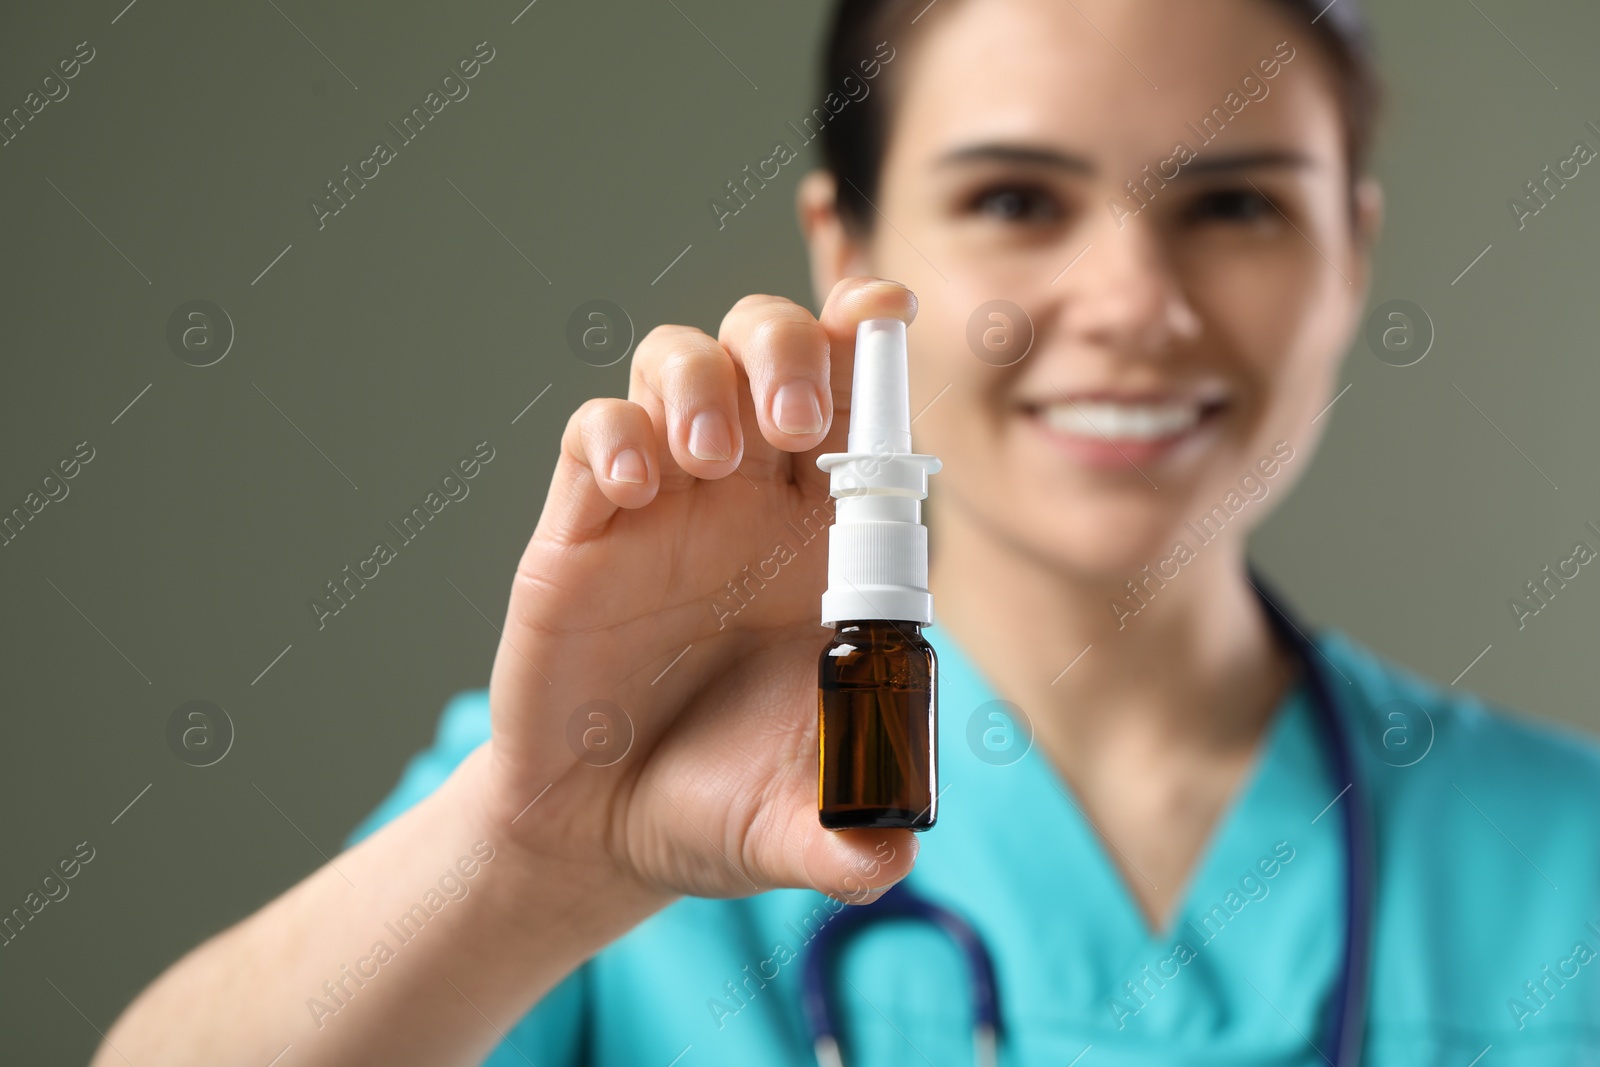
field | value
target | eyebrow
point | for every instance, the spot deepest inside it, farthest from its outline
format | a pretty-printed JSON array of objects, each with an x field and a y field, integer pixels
[
  {"x": 1249, "y": 161},
  {"x": 1007, "y": 152},
  {"x": 1039, "y": 155}
]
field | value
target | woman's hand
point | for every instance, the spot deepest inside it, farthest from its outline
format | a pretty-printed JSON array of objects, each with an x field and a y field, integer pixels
[
  {"x": 622, "y": 596},
  {"x": 665, "y": 616}
]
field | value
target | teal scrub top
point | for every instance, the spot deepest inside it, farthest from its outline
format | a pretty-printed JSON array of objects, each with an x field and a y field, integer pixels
[{"x": 1486, "y": 931}]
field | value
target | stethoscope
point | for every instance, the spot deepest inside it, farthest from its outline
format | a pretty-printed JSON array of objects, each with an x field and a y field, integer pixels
[{"x": 1347, "y": 1014}]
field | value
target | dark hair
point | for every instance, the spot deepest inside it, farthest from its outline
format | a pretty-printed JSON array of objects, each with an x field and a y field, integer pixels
[{"x": 853, "y": 142}]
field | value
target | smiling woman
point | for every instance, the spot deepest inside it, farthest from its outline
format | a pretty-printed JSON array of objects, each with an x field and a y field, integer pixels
[
  {"x": 1175, "y": 351},
  {"x": 1180, "y": 356}
]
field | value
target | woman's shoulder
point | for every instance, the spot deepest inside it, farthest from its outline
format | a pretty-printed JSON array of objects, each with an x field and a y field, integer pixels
[
  {"x": 1456, "y": 776},
  {"x": 1407, "y": 720}
]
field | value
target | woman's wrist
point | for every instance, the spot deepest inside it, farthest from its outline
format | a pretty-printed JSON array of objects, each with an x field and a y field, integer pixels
[{"x": 571, "y": 907}]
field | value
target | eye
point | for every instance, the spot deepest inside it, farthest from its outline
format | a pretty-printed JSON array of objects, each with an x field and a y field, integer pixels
[
  {"x": 1017, "y": 203},
  {"x": 1232, "y": 205}
]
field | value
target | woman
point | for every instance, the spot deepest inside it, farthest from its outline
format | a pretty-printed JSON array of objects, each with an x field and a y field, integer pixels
[{"x": 1173, "y": 198}]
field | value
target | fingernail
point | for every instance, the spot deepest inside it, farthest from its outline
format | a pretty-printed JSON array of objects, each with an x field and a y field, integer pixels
[
  {"x": 796, "y": 408},
  {"x": 710, "y": 438},
  {"x": 629, "y": 467}
]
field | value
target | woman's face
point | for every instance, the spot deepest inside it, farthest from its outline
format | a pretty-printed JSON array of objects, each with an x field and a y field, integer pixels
[{"x": 1178, "y": 334}]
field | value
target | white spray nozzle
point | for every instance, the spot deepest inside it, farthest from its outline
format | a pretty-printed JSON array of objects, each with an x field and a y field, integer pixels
[
  {"x": 877, "y": 545},
  {"x": 880, "y": 405}
]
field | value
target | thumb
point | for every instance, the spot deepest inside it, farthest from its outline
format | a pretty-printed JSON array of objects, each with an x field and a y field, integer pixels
[{"x": 855, "y": 866}]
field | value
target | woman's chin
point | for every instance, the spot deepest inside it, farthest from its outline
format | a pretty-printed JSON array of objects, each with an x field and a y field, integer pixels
[{"x": 1116, "y": 548}]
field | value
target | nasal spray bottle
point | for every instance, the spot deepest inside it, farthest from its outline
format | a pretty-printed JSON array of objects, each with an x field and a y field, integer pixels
[{"x": 877, "y": 688}]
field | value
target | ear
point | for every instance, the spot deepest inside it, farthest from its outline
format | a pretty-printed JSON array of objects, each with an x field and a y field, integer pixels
[
  {"x": 834, "y": 253},
  {"x": 1368, "y": 224}
]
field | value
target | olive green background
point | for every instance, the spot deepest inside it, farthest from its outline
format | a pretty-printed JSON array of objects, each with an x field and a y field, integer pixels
[{"x": 412, "y": 327}]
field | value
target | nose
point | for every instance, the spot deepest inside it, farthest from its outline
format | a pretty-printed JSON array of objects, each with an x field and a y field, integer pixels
[{"x": 1126, "y": 297}]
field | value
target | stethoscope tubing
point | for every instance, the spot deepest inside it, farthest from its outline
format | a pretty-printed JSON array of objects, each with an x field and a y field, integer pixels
[{"x": 1347, "y": 1030}]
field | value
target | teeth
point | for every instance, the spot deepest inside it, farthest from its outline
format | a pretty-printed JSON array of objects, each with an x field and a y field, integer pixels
[{"x": 1128, "y": 422}]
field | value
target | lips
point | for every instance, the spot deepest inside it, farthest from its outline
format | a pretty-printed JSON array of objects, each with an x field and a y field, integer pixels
[{"x": 1104, "y": 430}]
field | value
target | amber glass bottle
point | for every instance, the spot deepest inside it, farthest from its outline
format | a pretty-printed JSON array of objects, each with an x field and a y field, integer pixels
[{"x": 877, "y": 724}]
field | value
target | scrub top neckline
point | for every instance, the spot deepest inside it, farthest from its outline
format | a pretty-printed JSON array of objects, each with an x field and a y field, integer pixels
[{"x": 1267, "y": 760}]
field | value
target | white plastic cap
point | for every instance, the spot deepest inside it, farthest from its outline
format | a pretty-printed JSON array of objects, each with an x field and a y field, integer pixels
[{"x": 877, "y": 546}]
